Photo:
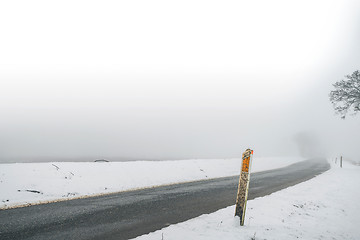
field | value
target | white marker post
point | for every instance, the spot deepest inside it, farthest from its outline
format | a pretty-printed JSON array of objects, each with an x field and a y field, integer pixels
[{"x": 243, "y": 188}]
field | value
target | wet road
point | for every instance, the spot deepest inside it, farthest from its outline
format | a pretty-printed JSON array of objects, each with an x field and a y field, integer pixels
[{"x": 130, "y": 214}]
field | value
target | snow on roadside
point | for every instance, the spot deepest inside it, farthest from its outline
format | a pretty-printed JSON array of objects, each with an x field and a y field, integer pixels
[
  {"x": 31, "y": 183},
  {"x": 325, "y": 207}
]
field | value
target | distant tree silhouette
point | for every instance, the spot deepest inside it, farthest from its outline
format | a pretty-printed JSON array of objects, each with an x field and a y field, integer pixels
[{"x": 346, "y": 96}]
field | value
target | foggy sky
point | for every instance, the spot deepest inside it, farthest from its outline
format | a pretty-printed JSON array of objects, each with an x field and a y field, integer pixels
[{"x": 81, "y": 80}]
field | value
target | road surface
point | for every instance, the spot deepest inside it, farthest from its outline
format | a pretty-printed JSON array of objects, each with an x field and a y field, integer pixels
[{"x": 130, "y": 214}]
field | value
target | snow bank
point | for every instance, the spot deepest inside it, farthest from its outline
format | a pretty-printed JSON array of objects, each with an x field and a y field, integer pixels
[
  {"x": 30, "y": 183},
  {"x": 325, "y": 207}
]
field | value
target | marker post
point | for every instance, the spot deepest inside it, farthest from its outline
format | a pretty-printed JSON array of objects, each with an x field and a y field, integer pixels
[
  {"x": 243, "y": 188},
  {"x": 341, "y": 161}
]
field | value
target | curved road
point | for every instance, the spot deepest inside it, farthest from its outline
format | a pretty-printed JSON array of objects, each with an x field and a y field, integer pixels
[{"x": 130, "y": 214}]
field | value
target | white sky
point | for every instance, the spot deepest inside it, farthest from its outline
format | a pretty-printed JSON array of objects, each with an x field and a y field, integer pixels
[{"x": 176, "y": 79}]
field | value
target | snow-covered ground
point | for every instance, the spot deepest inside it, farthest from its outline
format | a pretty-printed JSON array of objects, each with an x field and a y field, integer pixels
[
  {"x": 31, "y": 183},
  {"x": 325, "y": 207}
]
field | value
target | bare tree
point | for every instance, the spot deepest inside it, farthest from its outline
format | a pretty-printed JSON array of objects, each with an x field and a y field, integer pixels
[{"x": 346, "y": 96}]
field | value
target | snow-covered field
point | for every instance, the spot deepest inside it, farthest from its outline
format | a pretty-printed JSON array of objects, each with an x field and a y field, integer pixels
[
  {"x": 325, "y": 207},
  {"x": 32, "y": 183}
]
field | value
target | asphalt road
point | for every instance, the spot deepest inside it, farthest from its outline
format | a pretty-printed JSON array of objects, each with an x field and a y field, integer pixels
[{"x": 130, "y": 214}]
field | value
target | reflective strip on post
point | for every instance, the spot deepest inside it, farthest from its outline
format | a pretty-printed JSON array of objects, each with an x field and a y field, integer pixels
[{"x": 243, "y": 188}]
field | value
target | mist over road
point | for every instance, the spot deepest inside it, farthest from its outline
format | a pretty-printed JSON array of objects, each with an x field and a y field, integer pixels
[{"x": 130, "y": 214}]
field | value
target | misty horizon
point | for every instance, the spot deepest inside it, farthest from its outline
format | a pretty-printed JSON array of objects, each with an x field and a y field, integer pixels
[{"x": 159, "y": 80}]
